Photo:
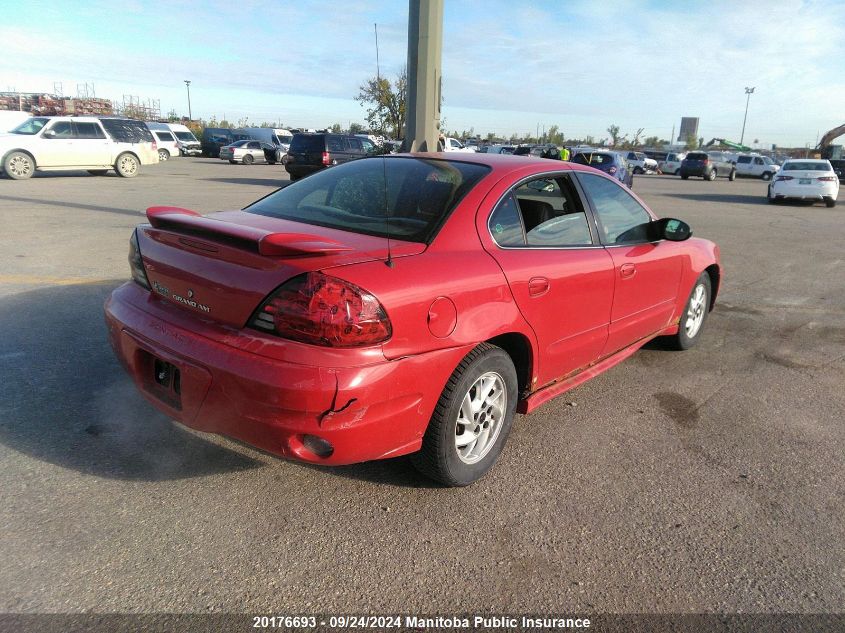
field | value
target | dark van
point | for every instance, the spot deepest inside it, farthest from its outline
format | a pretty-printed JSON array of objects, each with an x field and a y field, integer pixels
[
  {"x": 213, "y": 138},
  {"x": 312, "y": 152}
]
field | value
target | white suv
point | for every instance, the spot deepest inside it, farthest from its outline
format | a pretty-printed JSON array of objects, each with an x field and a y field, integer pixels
[
  {"x": 756, "y": 166},
  {"x": 96, "y": 144}
]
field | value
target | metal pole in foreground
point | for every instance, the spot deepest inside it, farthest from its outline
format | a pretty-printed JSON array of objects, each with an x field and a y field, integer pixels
[
  {"x": 188, "y": 86},
  {"x": 425, "y": 41},
  {"x": 748, "y": 92}
]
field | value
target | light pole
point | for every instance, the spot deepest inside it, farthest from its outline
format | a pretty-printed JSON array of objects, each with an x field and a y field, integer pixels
[
  {"x": 748, "y": 92},
  {"x": 190, "y": 116}
]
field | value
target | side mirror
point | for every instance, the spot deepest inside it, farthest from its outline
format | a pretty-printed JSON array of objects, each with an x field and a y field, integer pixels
[
  {"x": 670, "y": 229},
  {"x": 49, "y": 134}
]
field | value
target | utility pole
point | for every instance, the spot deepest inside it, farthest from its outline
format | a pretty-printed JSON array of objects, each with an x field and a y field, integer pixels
[
  {"x": 425, "y": 43},
  {"x": 748, "y": 92},
  {"x": 188, "y": 86}
]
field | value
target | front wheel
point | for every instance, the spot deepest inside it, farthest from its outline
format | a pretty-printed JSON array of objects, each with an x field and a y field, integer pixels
[
  {"x": 19, "y": 166},
  {"x": 127, "y": 166},
  {"x": 766, "y": 175},
  {"x": 163, "y": 155},
  {"x": 732, "y": 175},
  {"x": 472, "y": 419},
  {"x": 694, "y": 315},
  {"x": 711, "y": 176}
]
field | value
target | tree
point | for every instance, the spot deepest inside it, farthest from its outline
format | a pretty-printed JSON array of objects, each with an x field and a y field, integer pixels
[
  {"x": 615, "y": 137},
  {"x": 636, "y": 140},
  {"x": 652, "y": 141},
  {"x": 355, "y": 128},
  {"x": 336, "y": 128},
  {"x": 692, "y": 142},
  {"x": 554, "y": 135},
  {"x": 385, "y": 104}
]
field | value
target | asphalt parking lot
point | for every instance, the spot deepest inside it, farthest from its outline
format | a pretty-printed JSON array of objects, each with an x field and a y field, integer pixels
[{"x": 702, "y": 481}]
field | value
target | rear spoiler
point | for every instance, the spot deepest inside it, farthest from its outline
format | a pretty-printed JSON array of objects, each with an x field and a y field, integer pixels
[{"x": 189, "y": 222}]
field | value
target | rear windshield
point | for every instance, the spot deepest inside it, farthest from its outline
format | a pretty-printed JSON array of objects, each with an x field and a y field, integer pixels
[
  {"x": 696, "y": 156},
  {"x": 308, "y": 143},
  {"x": 418, "y": 197},
  {"x": 593, "y": 159},
  {"x": 806, "y": 165},
  {"x": 127, "y": 130}
]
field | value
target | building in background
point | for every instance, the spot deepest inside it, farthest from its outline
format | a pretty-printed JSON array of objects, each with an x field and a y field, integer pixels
[{"x": 689, "y": 128}]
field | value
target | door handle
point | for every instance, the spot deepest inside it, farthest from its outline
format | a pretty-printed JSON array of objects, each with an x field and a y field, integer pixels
[
  {"x": 538, "y": 286},
  {"x": 627, "y": 270}
]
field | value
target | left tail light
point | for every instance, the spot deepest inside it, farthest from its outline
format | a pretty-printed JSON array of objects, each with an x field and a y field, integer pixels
[
  {"x": 784, "y": 178},
  {"x": 322, "y": 310},
  {"x": 136, "y": 264},
  {"x": 327, "y": 158}
]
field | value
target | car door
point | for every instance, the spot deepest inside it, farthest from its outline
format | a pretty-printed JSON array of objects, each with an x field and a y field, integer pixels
[
  {"x": 91, "y": 146},
  {"x": 253, "y": 148},
  {"x": 647, "y": 274},
  {"x": 560, "y": 277},
  {"x": 353, "y": 147},
  {"x": 56, "y": 148}
]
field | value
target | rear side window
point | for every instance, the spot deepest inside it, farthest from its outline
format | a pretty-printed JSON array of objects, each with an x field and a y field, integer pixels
[
  {"x": 88, "y": 130},
  {"x": 411, "y": 197},
  {"x": 696, "y": 156},
  {"x": 743, "y": 160},
  {"x": 127, "y": 130},
  {"x": 334, "y": 144}
]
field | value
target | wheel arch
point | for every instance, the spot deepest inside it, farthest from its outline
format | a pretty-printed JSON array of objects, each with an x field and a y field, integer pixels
[
  {"x": 715, "y": 278},
  {"x": 131, "y": 153},
  {"x": 518, "y": 347},
  {"x": 22, "y": 151}
]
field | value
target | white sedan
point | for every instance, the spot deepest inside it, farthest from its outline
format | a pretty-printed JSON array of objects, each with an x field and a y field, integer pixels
[{"x": 805, "y": 179}]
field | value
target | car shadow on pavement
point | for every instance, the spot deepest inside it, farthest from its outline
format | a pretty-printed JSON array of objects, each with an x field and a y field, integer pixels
[
  {"x": 721, "y": 197},
  {"x": 74, "y": 205},
  {"x": 279, "y": 182},
  {"x": 65, "y": 399}
]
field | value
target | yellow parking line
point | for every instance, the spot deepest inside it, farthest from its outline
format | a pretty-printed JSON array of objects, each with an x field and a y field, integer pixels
[{"x": 45, "y": 280}]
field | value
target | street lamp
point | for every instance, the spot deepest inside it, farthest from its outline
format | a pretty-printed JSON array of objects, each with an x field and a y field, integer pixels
[
  {"x": 748, "y": 92},
  {"x": 190, "y": 116}
]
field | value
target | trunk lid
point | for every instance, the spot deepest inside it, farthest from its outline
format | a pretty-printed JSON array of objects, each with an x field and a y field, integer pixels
[{"x": 222, "y": 266}]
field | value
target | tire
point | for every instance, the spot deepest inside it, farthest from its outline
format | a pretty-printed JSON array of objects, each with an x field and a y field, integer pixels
[
  {"x": 98, "y": 172},
  {"x": 732, "y": 175},
  {"x": 248, "y": 159},
  {"x": 684, "y": 176},
  {"x": 19, "y": 166},
  {"x": 770, "y": 197},
  {"x": 694, "y": 315},
  {"x": 483, "y": 391},
  {"x": 127, "y": 165},
  {"x": 233, "y": 162},
  {"x": 767, "y": 175},
  {"x": 163, "y": 155},
  {"x": 830, "y": 202},
  {"x": 711, "y": 176}
]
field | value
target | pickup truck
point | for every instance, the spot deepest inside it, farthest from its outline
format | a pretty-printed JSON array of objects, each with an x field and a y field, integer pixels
[
  {"x": 640, "y": 163},
  {"x": 454, "y": 145},
  {"x": 754, "y": 166}
]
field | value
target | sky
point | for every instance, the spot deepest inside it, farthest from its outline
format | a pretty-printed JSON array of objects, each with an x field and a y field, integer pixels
[{"x": 509, "y": 66}]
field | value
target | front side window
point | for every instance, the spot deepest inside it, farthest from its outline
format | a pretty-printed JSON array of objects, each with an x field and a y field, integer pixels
[
  {"x": 621, "y": 218},
  {"x": 544, "y": 212},
  {"x": 60, "y": 129}
]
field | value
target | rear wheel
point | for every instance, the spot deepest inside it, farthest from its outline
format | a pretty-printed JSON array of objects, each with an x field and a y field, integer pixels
[
  {"x": 770, "y": 196},
  {"x": 830, "y": 202},
  {"x": 694, "y": 315},
  {"x": 163, "y": 155},
  {"x": 126, "y": 165},
  {"x": 472, "y": 419},
  {"x": 19, "y": 166},
  {"x": 766, "y": 175},
  {"x": 248, "y": 159},
  {"x": 732, "y": 175},
  {"x": 711, "y": 176},
  {"x": 684, "y": 176}
]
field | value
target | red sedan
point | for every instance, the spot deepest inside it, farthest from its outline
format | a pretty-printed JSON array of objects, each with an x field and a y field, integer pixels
[{"x": 403, "y": 304}]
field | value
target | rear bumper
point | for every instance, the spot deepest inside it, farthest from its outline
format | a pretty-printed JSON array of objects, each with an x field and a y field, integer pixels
[
  {"x": 370, "y": 411},
  {"x": 806, "y": 192}
]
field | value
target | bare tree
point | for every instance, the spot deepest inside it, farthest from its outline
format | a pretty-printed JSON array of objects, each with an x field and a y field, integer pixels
[{"x": 615, "y": 137}]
